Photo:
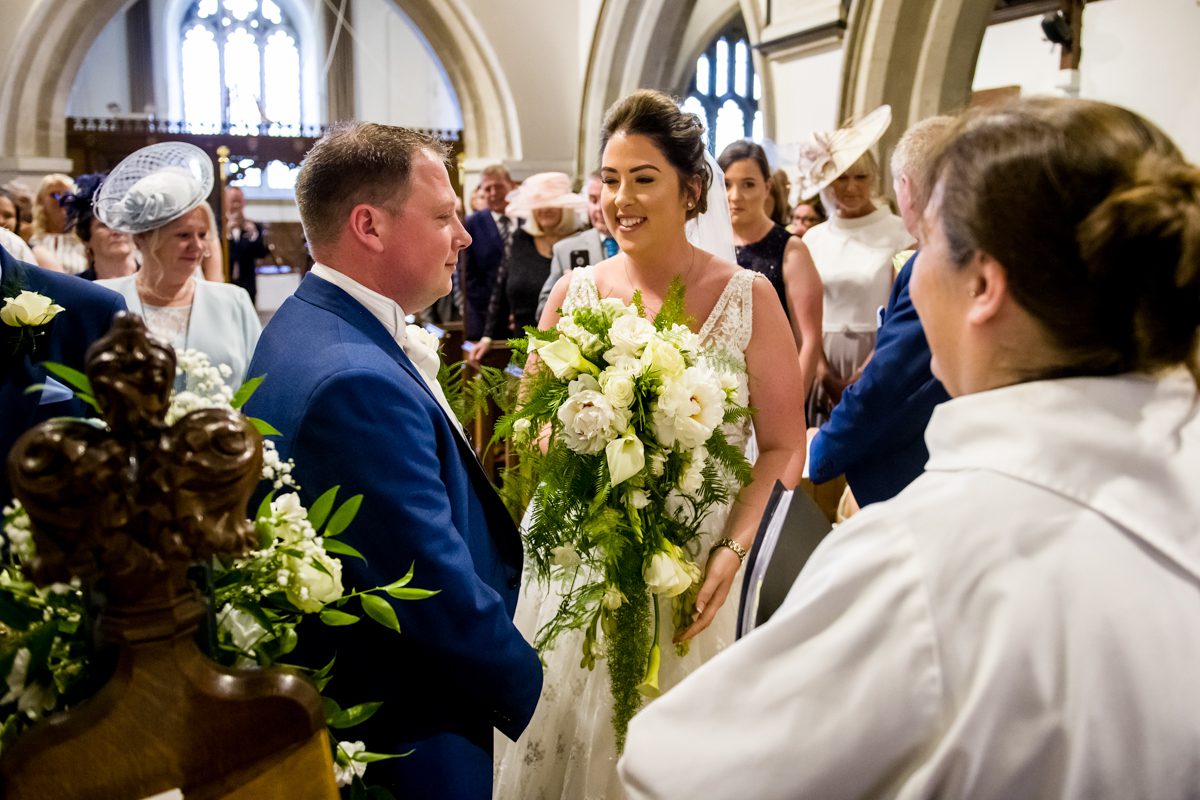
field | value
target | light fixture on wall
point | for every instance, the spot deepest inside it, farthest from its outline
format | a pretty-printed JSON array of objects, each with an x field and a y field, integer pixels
[{"x": 1056, "y": 28}]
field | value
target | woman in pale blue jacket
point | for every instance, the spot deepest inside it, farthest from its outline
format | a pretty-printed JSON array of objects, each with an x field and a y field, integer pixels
[{"x": 157, "y": 194}]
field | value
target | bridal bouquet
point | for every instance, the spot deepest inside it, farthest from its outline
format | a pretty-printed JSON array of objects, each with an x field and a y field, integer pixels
[
  {"x": 635, "y": 459},
  {"x": 259, "y": 599}
]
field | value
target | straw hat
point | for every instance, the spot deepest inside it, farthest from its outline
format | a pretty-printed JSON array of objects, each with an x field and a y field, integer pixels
[
  {"x": 154, "y": 186},
  {"x": 827, "y": 155},
  {"x": 544, "y": 190}
]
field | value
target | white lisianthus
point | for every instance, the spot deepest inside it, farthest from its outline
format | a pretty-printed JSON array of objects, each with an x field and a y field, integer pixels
[
  {"x": 669, "y": 572},
  {"x": 683, "y": 338},
  {"x": 308, "y": 588},
  {"x": 629, "y": 334},
  {"x": 617, "y": 383},
  {"x": 520, "y": 430},
  {"x": 639, "y": 499},
  {"x": 626, "y": 457},
  {"x": 565, "y": 555},
  {"x": 243, "y": 628},
  {"x": 613, "y": 598},
  {"x": 345, "y": 768},
  {"x": 588, "y": 342},
  {"x": 29, "y": 309},
  {"x": 693, "y": 476},
  {"x": 662, "y": 359},
  {"x": 615, "y": 308},
  {"x": 689, "y": 408},
  {"x": 565, "y": 359},
  {"x": 590, "y": 421}
]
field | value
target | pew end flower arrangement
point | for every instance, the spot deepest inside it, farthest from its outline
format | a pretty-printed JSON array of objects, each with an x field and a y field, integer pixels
[
  {"x": 622, "y": 449},
  {"x": 48, "y": 662}
]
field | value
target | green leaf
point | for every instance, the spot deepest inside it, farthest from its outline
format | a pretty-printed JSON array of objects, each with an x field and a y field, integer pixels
[
  {"x": 343, "y": 516},
  {"x": 264, "y": 508},
  {"x": 402, "y": 593},
  {"x": 288, "y": 640},
  {"x": 342, "y": 549},
  {"x": 329, "y": 708},
  {"x": 263, "y": 427},
  {"x": 318, "y": 512},
  {"x": 352, "y": 716},
  {"x": 245, "y": 391},
  {"x": 364, "y": 757},
  {"x": 381, "y": 611},
  {"x": 401, "y": 581},
  {"x": 40, "y": 643},
  {"x": 72, "y": 376},
  {"x": 335, "y": 618},
  {"x": 15, "y": 615}
]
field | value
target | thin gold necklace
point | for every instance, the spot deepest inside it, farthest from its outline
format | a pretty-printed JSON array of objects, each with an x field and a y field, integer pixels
[{"x": 634, "y": 287}]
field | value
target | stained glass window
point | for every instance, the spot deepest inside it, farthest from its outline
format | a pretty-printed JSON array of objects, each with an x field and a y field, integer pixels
[
  {"x": 240, "y": 68},
  {"x": 725, "y": 89}
]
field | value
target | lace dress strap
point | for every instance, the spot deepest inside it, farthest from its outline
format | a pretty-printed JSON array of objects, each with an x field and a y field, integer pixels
[
  {"x": 730, "y": 324},
  {"x": 581, "y": 291}
]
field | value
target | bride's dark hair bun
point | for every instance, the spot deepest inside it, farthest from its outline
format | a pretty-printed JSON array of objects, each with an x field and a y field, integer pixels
[
  {"x": 1143, "y": 241},
  {"x": 678, "y": 134}
]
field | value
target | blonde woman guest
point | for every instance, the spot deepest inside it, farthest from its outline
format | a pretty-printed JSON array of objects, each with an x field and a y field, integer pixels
[
  {"x": 852, "y": 251},
  {"x": 550, "y": 210},
  {"x": 157, "y": 195},
  {"x": 55, "y": 245}
]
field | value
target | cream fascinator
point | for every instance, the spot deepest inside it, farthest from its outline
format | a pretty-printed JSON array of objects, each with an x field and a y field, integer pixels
[
  {"x": 154, "y": 186},
  {"x": 544, "y": 190},
  {"x": 826, "y": 156}
]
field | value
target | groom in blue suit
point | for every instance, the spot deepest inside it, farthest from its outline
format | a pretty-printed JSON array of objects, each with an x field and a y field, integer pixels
[
  {"x": 88, "y": 310},
  {"x": 350, "y": 390}
]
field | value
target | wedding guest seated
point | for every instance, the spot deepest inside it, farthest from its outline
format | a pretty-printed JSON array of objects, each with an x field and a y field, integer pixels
[
  {"x": 548, "y": 206},
  {"x": 156, "y": 195},
  {"x": 1020, "y": 621},
  {"x": 876, "y": 435},
  {"x": 54, "y": 244},
  {"x": 110, "y": 253}
]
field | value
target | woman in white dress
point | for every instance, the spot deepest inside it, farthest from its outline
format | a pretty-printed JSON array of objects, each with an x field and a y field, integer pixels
[
  {"x": 656, "y": 178},
  {"x": 55, "y": 245},
  {"x": 852, "y": 251}
]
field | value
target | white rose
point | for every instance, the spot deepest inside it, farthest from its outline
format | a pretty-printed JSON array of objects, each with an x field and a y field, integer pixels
[
  {"x": 565, "y": 359},
  {"x": 308, "y": 588},
  {"x": 243, "y": 628},
  {"x": 590, "y": 421},
  {"x": 565, "y": 555},
  {"x": 662, "y": 358},
  {"x": 29, "y": 308},
  {"x": 682, "y": 337},
  {"x": 613, "y": 598},
  {"x": 689, "y": 408},
  {"x": 617, "y": 384},
  {"x": 666, "y": 574},
  {"x": 629, "y": 334},
  {"x": 626, "y": 457},
  {"x": 693, "y": 476}
]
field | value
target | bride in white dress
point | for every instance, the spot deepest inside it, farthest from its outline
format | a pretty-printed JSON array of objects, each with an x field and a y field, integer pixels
[{"x": 656, "y": 179}]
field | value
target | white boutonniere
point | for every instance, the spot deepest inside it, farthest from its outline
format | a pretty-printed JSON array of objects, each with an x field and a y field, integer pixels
[{"x": 25, "y": 313}]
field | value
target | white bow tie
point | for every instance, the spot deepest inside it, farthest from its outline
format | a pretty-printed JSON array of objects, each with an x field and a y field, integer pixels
[{"x": 422, "y": 349}]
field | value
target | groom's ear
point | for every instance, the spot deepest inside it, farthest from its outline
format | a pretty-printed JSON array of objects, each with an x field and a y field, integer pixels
[{"x": 364, "y": 226}]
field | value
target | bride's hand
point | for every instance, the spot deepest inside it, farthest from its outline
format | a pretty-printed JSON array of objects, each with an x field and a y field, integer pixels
[{"x": 722, "y": 567}]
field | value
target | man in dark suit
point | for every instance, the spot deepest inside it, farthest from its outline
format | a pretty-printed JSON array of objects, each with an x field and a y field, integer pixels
[
  {"x": 490, "y": 231},
  {"x": 876, "y": 434},
  {"x": 88, "y": 310},
  {"x": 350, "y": 388},
  {"x": 247, "y": 242}
]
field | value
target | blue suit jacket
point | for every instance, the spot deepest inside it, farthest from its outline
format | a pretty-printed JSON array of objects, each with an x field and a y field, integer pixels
[
  {"x": 89, "y": 310},
  {"x": 876, "y": 434},
  {"x": 354, "y": 412},
  {"x": 478, "y": 267}
]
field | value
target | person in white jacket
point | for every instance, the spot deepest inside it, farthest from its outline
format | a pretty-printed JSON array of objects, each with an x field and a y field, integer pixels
[{"x": 1022, "y": 620}]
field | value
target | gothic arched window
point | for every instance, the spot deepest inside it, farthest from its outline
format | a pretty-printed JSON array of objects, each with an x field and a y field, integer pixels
[
  {"x": 240, "y": 63},
  {"x": 725, "y": 89}
]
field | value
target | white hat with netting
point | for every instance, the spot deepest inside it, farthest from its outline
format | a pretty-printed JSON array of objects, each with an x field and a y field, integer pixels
[{"x": 154, "y": 186}]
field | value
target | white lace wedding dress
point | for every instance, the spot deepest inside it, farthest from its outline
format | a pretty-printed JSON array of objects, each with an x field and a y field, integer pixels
[{"x": 568, "y": 751}]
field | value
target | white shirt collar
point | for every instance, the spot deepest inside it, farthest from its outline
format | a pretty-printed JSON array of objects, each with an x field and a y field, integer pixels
[{"x": 389, "y": 313}]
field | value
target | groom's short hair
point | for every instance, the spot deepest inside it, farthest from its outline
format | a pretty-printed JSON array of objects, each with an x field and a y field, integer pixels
[{"x": 353, "y": 163}]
